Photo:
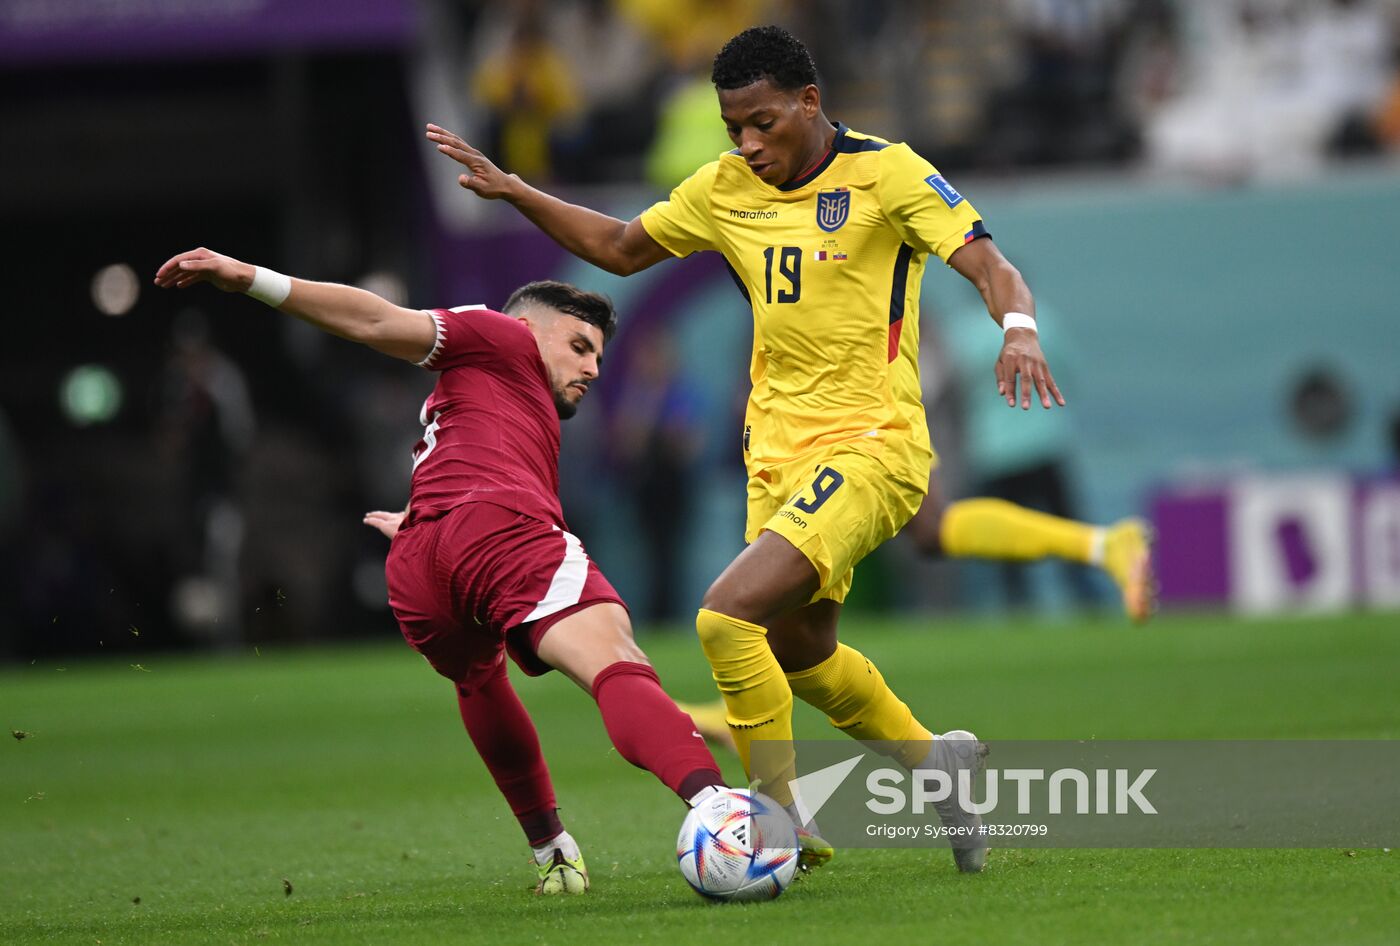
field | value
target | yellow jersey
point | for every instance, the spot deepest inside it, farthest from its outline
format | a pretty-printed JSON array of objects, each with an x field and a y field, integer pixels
[{"x": 831, "y": 263}]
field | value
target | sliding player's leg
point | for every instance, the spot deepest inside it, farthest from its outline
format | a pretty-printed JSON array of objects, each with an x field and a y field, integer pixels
[
  {"x": 593, "y": 645},
  {"x": 997, "y": 529},
  {"x": 495, "y": 719},
  {"x": 440, "y": 622},
  {"x": 505, "y": 738},
  {"x": 531, "y": 584},
  {"x": 711, "y": 722}
]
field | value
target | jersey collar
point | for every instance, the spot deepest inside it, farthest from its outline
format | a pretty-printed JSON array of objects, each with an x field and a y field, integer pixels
[{"x": 837, "y": 146}]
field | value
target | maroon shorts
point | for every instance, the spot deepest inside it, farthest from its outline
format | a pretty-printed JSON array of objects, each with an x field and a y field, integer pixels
[{"x": 482, "y": 579}]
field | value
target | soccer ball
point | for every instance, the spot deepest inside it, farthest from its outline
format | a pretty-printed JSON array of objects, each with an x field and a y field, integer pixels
[{"x": 737, "y": 845}]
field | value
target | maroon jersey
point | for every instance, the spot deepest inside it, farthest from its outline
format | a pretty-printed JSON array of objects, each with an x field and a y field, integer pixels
[{"x": 491, "y": 428}]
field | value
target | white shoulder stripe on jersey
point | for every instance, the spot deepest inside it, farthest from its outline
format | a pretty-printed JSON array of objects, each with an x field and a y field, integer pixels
[
  {"x": 466, "y": 308},
  {"x": 567, "y": 585},
  {"x": 437, "y": 341}
]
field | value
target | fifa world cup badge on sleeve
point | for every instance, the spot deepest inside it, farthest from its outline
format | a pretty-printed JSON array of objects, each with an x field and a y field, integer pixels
[{"x": 947, "y": 191}]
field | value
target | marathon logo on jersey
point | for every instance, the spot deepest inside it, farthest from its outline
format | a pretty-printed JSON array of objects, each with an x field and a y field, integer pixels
[
  {"x": 748, "y": 429},
  {"x": 833, "y": 207},
  {"x": 789, "y": 514},
  {"x": 947, "y": 191}
]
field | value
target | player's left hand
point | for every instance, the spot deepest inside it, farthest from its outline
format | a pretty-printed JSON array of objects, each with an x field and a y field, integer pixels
[
  {"x": 386, "y": 522},
  {"x": 1021, "y": 356},
  {"x": 483, "y": 178},
  {"x": 201, "y": 265}
]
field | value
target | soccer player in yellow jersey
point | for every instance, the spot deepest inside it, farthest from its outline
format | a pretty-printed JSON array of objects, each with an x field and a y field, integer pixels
[{"x": 827, "y": 232}]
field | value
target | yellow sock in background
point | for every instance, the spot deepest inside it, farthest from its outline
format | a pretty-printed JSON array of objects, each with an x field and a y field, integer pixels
[
  {"x": 995, "y": 528},
  {"x": 757, "y": 699},
  {"x": 856, "y": 699}
]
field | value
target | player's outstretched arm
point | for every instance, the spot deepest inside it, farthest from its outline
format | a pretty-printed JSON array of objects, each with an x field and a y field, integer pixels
[
  {"x": 345, "y": 311},
  {"x": 1004, "y": 291},
  {"x": 606, "y": 242}
]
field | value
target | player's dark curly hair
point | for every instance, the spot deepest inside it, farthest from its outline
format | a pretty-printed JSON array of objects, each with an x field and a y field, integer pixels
[
  {"x": 761, "y": 51},
  {"x": 591, "y": 307}
]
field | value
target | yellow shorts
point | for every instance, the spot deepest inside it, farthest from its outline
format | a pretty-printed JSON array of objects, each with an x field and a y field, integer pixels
[{"x": 836, "y": 509}]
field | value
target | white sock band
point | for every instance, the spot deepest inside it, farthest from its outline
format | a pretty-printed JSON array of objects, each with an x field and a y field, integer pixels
[
  {"x": 1017, "y": 320},
  {"x": 270, "y": 286},
  {"x": 1096, "y": 545},
  {"x": 703, "y": 794},
  {"x": 563, "y": 841}
]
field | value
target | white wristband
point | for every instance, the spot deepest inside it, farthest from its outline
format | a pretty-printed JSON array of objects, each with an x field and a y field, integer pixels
[
  {"x": 270, "y": 286},
  {"x": 1017, "y": 320}
]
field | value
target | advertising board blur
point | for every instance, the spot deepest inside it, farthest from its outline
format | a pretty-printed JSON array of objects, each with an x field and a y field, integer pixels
[{"x": 1281, "y": 543}]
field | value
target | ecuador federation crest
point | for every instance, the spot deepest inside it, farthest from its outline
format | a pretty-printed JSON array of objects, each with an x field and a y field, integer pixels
[{"x": 833, "y": 207}]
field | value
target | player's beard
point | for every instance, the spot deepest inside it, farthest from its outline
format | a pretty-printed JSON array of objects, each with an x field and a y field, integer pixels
[{"x": 562, "y": 404}]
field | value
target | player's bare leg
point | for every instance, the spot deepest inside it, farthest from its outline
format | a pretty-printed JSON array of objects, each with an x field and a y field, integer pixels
[
  {"x": 594, "y": 647},
  {"x": 805, "y": 637},
  {"x": 770, "y": 578},
  {"x": 581, "y": 645},
  {"x": 1000, "y": 530}
]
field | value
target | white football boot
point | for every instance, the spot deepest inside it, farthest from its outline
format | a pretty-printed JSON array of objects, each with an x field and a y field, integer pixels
[{"x": 956, "y": 751}]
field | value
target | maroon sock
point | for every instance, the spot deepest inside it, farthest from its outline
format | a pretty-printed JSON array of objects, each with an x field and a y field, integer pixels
[
  {"x": 505, "y": 737},
  {"x": 650, "y": 732}
]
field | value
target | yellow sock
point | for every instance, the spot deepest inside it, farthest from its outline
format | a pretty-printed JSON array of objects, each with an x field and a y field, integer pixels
[
  {"x": 995, "y": 528},
  {"x": 757, "y": 699},
  {"x": 856, "y": 699}
]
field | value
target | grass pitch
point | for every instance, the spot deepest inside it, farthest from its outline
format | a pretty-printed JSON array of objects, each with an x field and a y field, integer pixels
[{"x": 331, "y": 796}]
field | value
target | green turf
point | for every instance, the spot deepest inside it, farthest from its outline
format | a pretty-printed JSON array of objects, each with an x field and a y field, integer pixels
[{"x": 199, "y": 785}]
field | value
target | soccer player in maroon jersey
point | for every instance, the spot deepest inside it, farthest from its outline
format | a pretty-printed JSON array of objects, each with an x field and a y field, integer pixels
[{"x": 481, "y": 563}]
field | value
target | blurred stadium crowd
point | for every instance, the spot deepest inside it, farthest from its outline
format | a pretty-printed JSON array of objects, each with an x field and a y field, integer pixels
[
  {"x": 616, "y": 90},
  {"x": 177, "y": 471}
]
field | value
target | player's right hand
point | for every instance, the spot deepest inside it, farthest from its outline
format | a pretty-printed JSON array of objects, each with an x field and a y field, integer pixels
[
  {"x": 1021, "y": 355},
  {"x": 483, "y": 178},
  {"x": 386, "y": 522},
  {"x": 201, "y": 265}
]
